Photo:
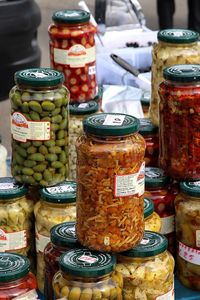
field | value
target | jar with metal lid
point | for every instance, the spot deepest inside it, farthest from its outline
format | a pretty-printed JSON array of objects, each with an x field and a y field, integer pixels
[
  {"x": 39, "y": 127},
  {"x": 72, "y": 51},
  {"x": 150, "y": 134},
  {"x": 180, "y": 122},
  {"x": 110, "y": 186},
  {"x": 158, "y": 189},
  {"x": 86, "y": 274},
  {"x": 63, "y": 238},
  {"x": 152, "y": 220},
  {"x": 147, "y": 269},
  {"x": 77, "y": 113},
  {"x": 175, "y": 46},
  {"x": 3, "y": 157},
  {"x": 145, "y": 102},
  {"x": 57, "y": 205},
  {"x": 16, "y": 280},
  {"x": 187, "y": 206}
]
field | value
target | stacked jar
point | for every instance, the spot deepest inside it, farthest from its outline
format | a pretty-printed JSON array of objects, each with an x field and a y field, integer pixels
[{"x": 152, "y": 220}]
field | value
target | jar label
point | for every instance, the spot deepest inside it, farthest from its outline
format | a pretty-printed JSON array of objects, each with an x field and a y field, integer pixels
[
  {"x": 167, "y": 296},
  {"x": 167, "y": 224},
  {"x": 7, "y": 186},
  {"x": 23, "y": 130},
  {"x": 197, "y": 238},
  {"x": 31, "y": 295},
  {"x": 41, "y": 241},
  {"x": 189, "y": 254},
  {"x": 12, "y": 240},
  {"x": 113, "y": 120},
  {"x": 88, "y": 259},
  {"x": 61, "y": 189}
]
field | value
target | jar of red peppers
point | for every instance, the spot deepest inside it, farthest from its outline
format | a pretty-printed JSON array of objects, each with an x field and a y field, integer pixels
[
  {"x": 187, "y": 205},
  {"x": 72, "y": 51},
  {"x": 150, "y": 134},
  {"x": 16, "y": 280},
  {"x": 180, "y": 122},
  {"x": 63, "y": 238},
  {"x": 110, "y": 183},
  {"x": 158, "y": 188}
]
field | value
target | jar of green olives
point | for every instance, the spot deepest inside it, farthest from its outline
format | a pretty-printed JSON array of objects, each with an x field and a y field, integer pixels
[
  {"x": 39, "y": 127},
  {"x": 86, "y": 274}
]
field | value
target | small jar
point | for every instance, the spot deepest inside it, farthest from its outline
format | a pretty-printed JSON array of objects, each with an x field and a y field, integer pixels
[
  {"x": 145, "y": 102},
  {"x": 110, "y": 186},
  {"x": 175, "y": 46},
  {"x": 77, "y": 113},
  {"x": 3, "y": 157},
  {"x": 180, "y": 122},
  {"x": 150, "y": 134},
  {"x": 85, "y": 274},
  {"x": 187, "y": 205},
  {"x": 16, "y": 280},
  {"x": 152, "y": 220},
  {"x": 57, "y": 205},
  {"x": 147, "y": 269},
  {"x": 62, "y": 238},
  {"x": 72, "y": 51},
  {"x": 39, "y": 127},
  {"x": 158, "y": 189}
]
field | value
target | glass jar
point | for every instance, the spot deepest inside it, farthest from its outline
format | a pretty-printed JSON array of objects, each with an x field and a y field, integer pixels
[
  {"x": 77, "y": 113},
  {"x": 145, "y": 102},
  {"x": 147, "y": 269},
  {"x": 152, "y": 220},
  {"x": 3, "y": 157},
  {"x": 63, "y": 238},
  {"x": 110, "y": 186},
  {"x": 187, "y": 205},
  {"x": 180, "y": 122},
  {"x": 175, "y": 46},
  {"x": 57, "y": 205},
  {"x": 39, "y": 127},
  {"x": 85, "y": 274},
  {"x": 158, "y": 189},
  {"x": 72, "y": 51},
  {"x": 150, "y": 134},
  {"x": 16, "y": 280}
]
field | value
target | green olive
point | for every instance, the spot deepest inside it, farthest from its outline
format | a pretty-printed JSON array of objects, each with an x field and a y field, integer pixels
[
  {"x": 27, "y": 171},
  {"x": 57, "y": 164},
  {"x": 86, "y": 294},
  {"x": 34, "y": 116},
  {"x": 29, "y": 163},
  {"x": 74, "y": 294},
  {"x": 35, "y": 106},
  {"x": 39, "y": 167},
  {"x": 48, "y": 105},
  {"x": 55, "y": 149},
  {"x": 37, "y": 157},
  {"x": 51, "y": 157},
  {"x": 31, "y": 150}
]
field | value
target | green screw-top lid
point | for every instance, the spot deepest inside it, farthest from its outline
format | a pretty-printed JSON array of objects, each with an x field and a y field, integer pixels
[
  {"x": 39, "y": 77},
  {"x": 87, "y": 263},
  {"x": 13, "y": 266},
  {"x": 178, "y": 36},
  {"x": 147, "y": 127},
  {"x": 145, "y": 98},
  {"x": 84, "y": 108},
  {"x": 10, "y": 188},
  {"x": 64, "y": 235},
  {"x": 152, "y": 244},
  {"x": 155, "y": 177},
  {"x": 148, "y": 207},
  {"x": 64, "y": 192},
  {"x": 110, "y": 124},
  {"x": 191, "y": 188},
  {"x": 182, "y": 73},
  {"x": 71, "y": 16}
]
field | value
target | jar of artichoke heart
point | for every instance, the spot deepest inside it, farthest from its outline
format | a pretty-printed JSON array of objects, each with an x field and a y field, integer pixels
[
  {"x": 174, "y": 46},
  {"x": 63, "y": 238},
  {"x": 77, "y": 113},
  {"x": 57, "y": 205},
  {"x": 152, "y": 220},
  {"x": 86, "y": 274},
  {"x": 110, "y": 183},
  {"x": 39, "y": 127},
  {"x": 147, "y": 269},
  {"x": 187, "y": 205}
]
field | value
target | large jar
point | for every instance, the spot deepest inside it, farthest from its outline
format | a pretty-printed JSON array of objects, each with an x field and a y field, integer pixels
[
  {"x": 152, "y": 220},
  {"x": 180, "y": 122},
  {"x": 16, "y": 280},
  {"x": 72, "y": 51},
  {"x": 85, "y": 274},
  {"x": 147, "y": 269},
  {"x": 175, "y": 46},
  {"x": 77, "y": 113},
  {"x": 110, "y": 185},
  {"x": 63, "y": 238},
  {"x": 187, "y": 205},
  {"x": 57, "y": 205},
  {"x": 39, "y": 127}
]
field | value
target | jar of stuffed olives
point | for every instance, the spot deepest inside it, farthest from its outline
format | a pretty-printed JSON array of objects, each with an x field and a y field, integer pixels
[
  {"x": 152, "y": 220},
  {"x": 39, "y": 127},
  {"x": 86, "y": 274},
  {"x": 63, "y": 238},
  {"x": 175, "y": 46},
  {"x": 110, "y": 186},
  {"x": 147, "y": 269},
  {"x": 187, "y": 205},
  {"x": 57, "y": 205}
]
